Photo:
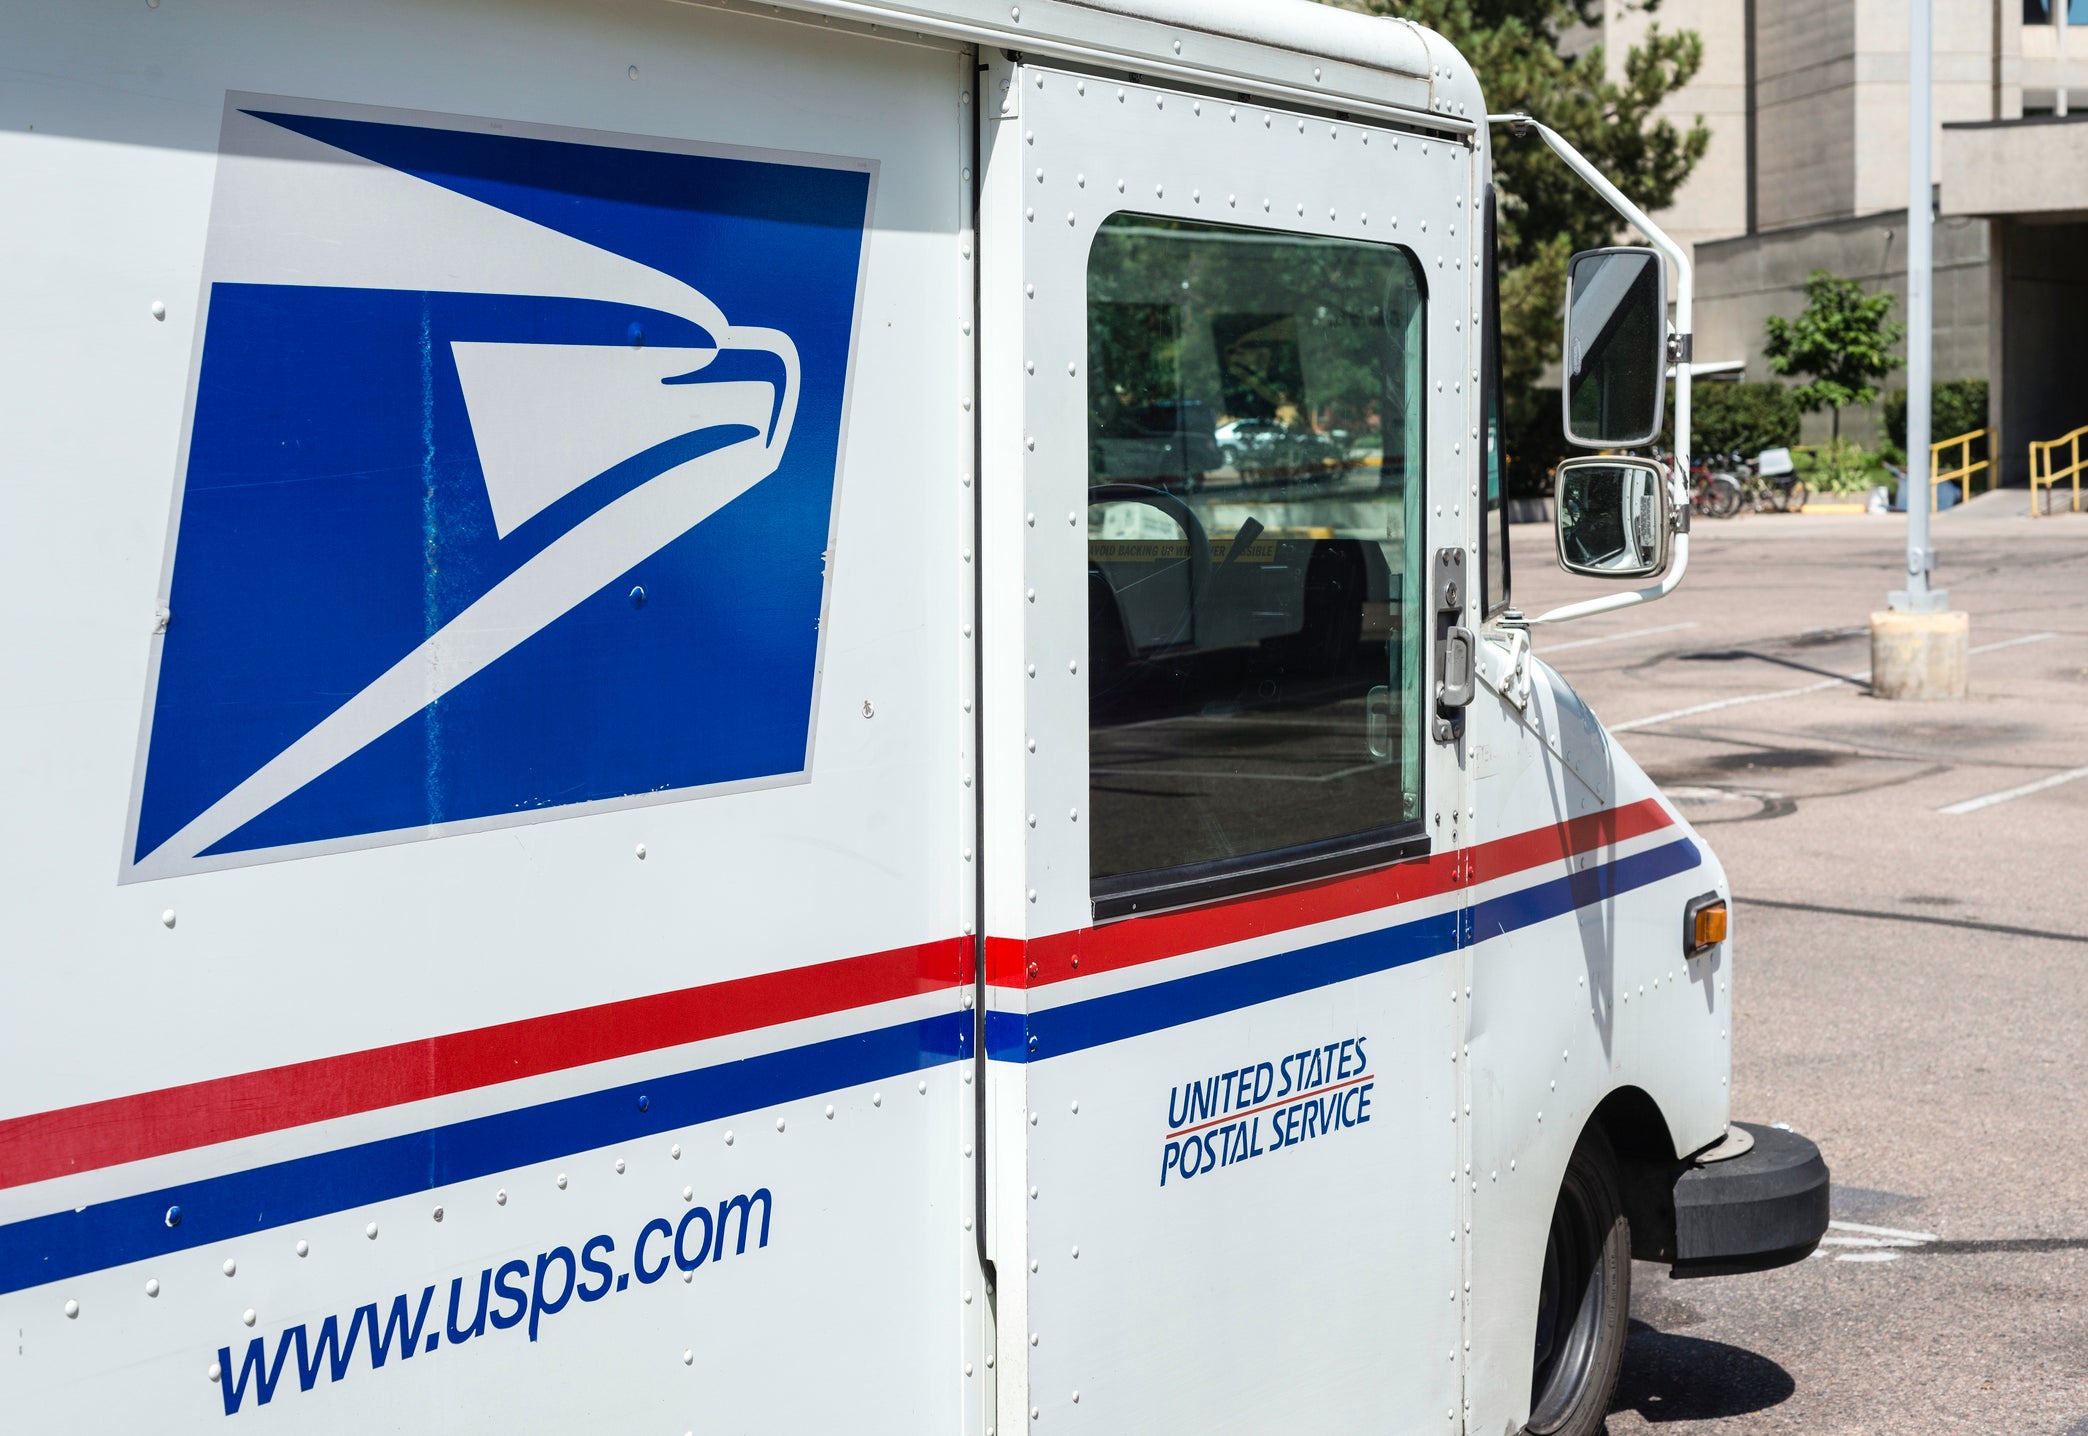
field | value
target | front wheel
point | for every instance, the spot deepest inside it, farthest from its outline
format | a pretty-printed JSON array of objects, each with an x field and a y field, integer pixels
[
  {"x": 1795, "y": 499},
  {"x": 1583, "y": 1298}
]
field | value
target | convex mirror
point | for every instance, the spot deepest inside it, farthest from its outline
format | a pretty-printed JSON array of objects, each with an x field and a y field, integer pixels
[
  {"x": 1612, "y": 517},
  {"x": 1616, "y": 347}
]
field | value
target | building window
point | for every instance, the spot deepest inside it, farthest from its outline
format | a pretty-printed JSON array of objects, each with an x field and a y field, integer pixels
[{"x": 1254, "y": 559}]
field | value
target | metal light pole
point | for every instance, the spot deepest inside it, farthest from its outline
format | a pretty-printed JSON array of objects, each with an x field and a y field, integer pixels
[
  {"x": 1918, "y": 597},
  {"x": 1918, "y": 648}
]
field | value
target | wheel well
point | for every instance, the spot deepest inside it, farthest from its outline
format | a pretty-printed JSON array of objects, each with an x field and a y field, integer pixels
[{"x": 1646, "y": 1169}]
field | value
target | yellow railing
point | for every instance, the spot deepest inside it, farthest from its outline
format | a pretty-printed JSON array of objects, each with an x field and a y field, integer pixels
[
  {"x": 1964, "y": 470},
  {"x": 2044, "y": 471}
]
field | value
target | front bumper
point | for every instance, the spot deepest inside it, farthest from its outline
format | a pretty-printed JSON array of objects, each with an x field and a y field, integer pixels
[{"x": 1764, "y": 1208}]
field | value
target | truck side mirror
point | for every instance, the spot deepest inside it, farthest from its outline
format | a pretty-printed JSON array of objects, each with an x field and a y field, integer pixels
[
  {"x": 1612, "y": 517},
  {"x": 1616, "y": 347}
]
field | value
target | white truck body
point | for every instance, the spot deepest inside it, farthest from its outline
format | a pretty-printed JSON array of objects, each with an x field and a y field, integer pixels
[{"x": 547, "y": 614}]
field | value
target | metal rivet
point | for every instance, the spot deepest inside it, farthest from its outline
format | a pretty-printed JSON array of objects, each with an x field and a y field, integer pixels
[
  {"x": 1033, "y": 1115},
  {"x": 639, "y": 852},
  {"x": 1032, "y": 894},
  {"x": 152, "y": 1286},
  {"x": 499, "y": 1200},
  {"x": 173, "y": 1217},
  {"x": 561, "y": 1181},
  {"x": 870, "y": 709},
  {"x": 437, "y": 1214},
  {"x": 167, "y": 918},
  {"x": 72, "y": 1309},
  {"x": 779, "y": 1124},
  {"x": 1073, "y": 665},
  {"x": 1030, "y": 519},
  {"x": 619, "y": 1166},
  {"x": 688, "y": 1194},
  {"x": 1073, "y": 815},
  {"x": 370, "y": 1231},
  {"x": 688, "y": 1356},
  {"x": 249, "y": 1316},
  {"x": 159, "y": 309},
  {"x": 877, "y": 1099},
  {"x": 212, "y": 1371},
  {"x": 1072, "y": 517},
  {"x": 231, "y": 1267}
]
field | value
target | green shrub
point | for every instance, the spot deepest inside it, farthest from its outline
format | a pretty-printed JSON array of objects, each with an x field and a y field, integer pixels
[
  {"x": 1532, "y": 443},
  {"x": 1840, "y": 466},
  {"x": 1956, "y": 407},
  {"x": 1742, "y": 418},
  {"x": 1734, "y": 418}
]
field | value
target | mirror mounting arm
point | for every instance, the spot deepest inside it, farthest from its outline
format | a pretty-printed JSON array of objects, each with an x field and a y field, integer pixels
[{"x": 1521, "y": 125}]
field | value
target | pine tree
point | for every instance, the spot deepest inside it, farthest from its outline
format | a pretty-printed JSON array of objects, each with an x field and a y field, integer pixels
[{"x": 1545, "y": 211}]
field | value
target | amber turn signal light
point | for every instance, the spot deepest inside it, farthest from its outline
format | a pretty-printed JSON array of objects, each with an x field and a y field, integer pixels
[
  {"x": 1710, "y": 925},
  {"x": 1703, "y": 923}
]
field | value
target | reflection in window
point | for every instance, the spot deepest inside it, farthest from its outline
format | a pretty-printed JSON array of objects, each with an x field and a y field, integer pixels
[
  {"x": 1493, "y": 545},
  {"x": 1254, "y": 570}
]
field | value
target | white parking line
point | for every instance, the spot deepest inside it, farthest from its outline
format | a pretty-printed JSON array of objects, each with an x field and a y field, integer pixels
[
  {"x": 1883, "y": 1231},
  {"x": 1874, "y": 1243},
  {"x": 1692, "y": 712},
  {"x": 1550, "y": 648},
  {"x": 2011, "y": 642},
  {"x": 1861, "y": 675},
  {"x": 1988, "y": 800}
]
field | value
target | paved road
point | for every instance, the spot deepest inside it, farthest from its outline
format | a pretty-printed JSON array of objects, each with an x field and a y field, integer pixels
[{"x": 1912, "y": 984}]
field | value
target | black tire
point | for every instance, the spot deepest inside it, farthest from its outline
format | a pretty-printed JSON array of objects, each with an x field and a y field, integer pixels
[
  {"x": 1725, "y": 496},
  {"x": 1584, "y": 1297}
]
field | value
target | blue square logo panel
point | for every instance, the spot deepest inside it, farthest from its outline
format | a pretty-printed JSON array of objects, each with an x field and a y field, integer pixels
[{"x": 508, "y": 479}]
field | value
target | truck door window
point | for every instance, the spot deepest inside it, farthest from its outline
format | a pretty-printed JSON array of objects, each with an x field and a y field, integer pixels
[
  {"x": 1254, "y": 559},
  {"x": 1493, "y": 545}
]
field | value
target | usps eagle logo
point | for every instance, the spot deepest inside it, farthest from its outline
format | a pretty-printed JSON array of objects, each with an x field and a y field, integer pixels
[{"x": 507, "y": 480}]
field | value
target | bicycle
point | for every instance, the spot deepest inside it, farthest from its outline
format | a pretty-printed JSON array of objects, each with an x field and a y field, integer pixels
[{"x": 1713, "y": 493}]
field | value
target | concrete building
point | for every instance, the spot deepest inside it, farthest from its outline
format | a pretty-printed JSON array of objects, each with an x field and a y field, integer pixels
[{"x": 1807, "y": 104}]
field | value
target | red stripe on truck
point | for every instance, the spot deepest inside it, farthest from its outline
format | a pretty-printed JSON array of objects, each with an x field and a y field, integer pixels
[
  {"x": 50, "y": 1144},
  {"x": 1015, "y": 962}
]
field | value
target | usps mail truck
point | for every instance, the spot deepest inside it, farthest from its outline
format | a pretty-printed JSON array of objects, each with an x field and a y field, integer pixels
[{"x": 808, "y": 717}]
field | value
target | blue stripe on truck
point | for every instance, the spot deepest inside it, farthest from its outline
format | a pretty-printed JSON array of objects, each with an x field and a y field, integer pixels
[{"x": 1076, "y": 1026}]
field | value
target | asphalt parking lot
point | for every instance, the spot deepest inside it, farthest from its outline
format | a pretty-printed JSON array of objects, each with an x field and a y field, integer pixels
[{"x": 1912, "y": 981}]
